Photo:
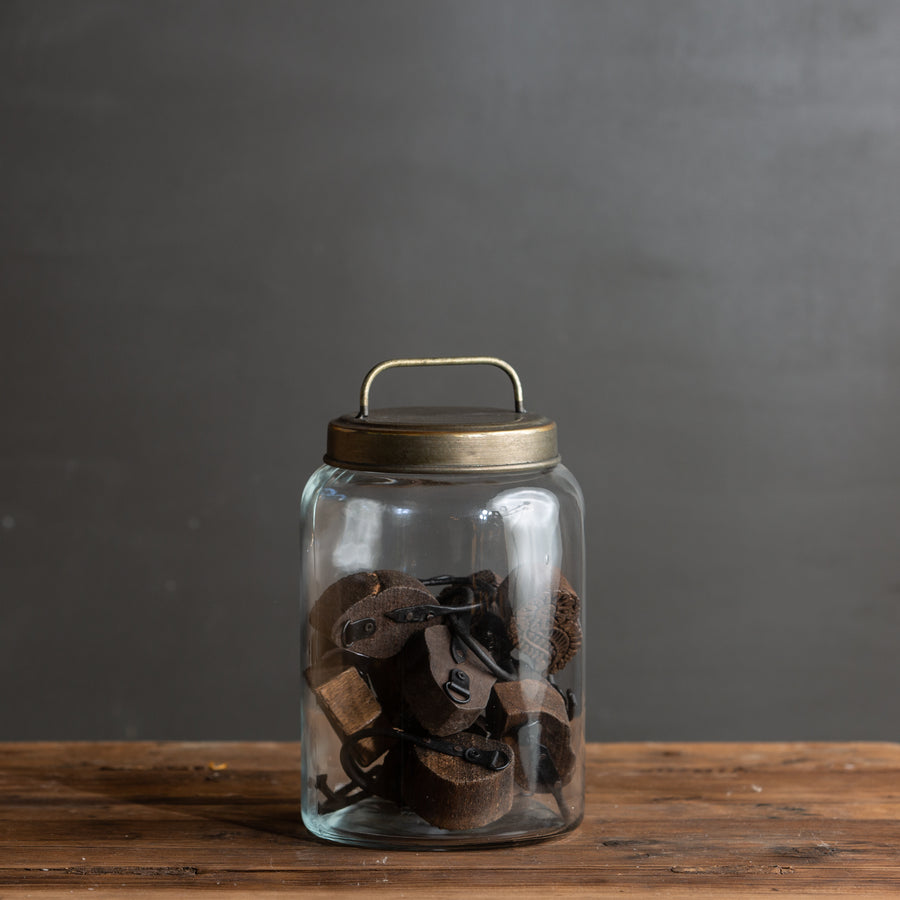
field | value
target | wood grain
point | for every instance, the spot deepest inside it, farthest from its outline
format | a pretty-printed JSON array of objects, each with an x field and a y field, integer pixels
[{"x": 676, "y": 819}]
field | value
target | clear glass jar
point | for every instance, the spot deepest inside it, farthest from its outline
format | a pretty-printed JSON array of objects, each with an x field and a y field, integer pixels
[{"x": 443, "y": 630}]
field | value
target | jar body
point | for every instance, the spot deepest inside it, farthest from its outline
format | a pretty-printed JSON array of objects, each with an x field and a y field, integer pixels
[{"x": 442, "y": 657}]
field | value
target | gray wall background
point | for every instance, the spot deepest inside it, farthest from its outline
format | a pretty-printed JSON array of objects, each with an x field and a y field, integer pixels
[{"x": 678, "y": 219}]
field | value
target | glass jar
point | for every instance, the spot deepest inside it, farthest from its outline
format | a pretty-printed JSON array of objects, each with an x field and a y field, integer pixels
[{"x": 442, "y": 590}]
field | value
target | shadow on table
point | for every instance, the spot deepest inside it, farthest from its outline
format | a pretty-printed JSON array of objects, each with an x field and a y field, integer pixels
[{"x": 266, "y": 801}]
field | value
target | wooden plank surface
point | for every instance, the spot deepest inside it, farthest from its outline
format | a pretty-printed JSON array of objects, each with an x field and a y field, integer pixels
[{"x": 714, "y": 820}]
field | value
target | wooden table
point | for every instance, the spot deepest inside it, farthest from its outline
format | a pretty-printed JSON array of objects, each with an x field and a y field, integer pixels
[{"x": 676, "y": 819}]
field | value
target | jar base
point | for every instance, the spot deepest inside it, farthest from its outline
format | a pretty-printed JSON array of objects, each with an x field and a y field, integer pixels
[{"x": 381, "y": 824}]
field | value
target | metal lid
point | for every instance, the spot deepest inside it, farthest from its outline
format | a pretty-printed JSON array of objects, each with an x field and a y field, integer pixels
[{"x": 442, "y": 439}]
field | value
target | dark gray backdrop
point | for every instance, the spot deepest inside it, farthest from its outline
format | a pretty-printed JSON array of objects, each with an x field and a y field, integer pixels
[{"x": 679, "y": 221}]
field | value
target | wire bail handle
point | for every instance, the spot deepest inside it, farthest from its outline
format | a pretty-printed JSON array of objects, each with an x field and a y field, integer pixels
[{"x": 439, "y": 361}]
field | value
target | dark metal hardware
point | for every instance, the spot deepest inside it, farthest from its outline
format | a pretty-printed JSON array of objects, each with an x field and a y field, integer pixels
[
  {"x": 367, "y": 781},
  {"x": 357, "y": 630},
  {"x": 457, "y": 688},
  {"x": 425, "y": 611},
  {"x": 496, "y": 760}
]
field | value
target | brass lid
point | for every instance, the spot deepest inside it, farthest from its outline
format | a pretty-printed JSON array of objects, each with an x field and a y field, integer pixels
[{"x": 420, "y": 439}]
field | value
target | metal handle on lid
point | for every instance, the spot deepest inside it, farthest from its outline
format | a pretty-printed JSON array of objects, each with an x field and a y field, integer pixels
[{"x": 439, "y": 361}]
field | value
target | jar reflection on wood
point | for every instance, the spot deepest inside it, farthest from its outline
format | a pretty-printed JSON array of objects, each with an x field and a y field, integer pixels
[{"x": 443, "y": 601}]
